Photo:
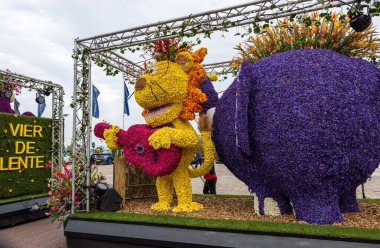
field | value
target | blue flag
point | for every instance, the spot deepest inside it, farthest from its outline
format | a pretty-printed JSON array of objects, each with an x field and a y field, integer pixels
[
  {"x": 95, "y": 104},
  {"x": 16, "y": 106},
  {"x": 126, "y": 95},
  {"x": 41, "y": 109}
]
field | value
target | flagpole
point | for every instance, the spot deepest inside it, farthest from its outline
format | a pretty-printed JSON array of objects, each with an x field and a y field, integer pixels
[{"x": 123, "y": 102}]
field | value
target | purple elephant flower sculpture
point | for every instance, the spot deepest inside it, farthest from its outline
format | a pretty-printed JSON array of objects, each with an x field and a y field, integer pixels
[
  {"x": 302, "y": 127},
  {"x": 5, "y": 106}
]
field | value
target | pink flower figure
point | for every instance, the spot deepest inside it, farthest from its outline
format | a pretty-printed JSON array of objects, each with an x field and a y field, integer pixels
[{"x": 49, "y": 164}]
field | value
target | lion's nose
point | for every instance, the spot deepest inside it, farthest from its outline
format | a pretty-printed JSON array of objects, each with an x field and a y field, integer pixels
[{"x": 140, "y": 84}]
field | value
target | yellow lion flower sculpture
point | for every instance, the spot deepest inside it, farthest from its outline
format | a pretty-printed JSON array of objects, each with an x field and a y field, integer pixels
[{"x": 170, "y": 96}]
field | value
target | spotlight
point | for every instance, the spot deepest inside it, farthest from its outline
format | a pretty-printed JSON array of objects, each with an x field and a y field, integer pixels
[
  {"x": 40, "y": 99},
  {"x": 100, "y": 189},
  {"x": 7, "y": 94},
  {"x": 47, "y": 90},
  {"x": 360, "y": 21}
]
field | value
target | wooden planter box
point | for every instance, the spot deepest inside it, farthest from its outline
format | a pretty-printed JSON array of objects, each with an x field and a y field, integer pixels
[{"x": 131, "y": 182}]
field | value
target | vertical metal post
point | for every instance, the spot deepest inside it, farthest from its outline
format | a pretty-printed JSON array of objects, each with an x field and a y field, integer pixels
[
  {"x": 62, "y": 128},
  {"x": 88, "y": 147},
  {"x": 57, "y": 128},
  {"x": 74, "y": 142},
  {"x": 53, "y": 130},
  {"x": 123, "y": 102}
]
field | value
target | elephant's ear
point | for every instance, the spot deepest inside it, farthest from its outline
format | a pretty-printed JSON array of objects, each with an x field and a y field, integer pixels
[{"x": 242, "y": 105}]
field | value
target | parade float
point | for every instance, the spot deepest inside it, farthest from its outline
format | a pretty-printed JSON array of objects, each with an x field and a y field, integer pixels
[
  {"x": 27, "y": 144},
  {"x": 299, "y": 126}
]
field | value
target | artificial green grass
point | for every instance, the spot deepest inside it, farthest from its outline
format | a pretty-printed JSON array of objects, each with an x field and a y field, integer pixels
[
  {"x": 245, "y": 225},
  {"x": 250, "y": 196},
  {"x": 369, "y": 200},
  {"x": 22, "y": 198}
]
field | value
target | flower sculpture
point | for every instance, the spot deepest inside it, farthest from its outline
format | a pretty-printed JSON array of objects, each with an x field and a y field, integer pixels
[
  {"x": 170, "y": 94},
  {"x": 310, "y": 32},
  {"x": 10, "y": 84},
  {"x": 302, "y": 128}
]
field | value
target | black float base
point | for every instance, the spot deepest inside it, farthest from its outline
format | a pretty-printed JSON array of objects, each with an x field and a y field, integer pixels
[
  {"x": 18, "y": 212},
  {"x": 111, "y": 234}
]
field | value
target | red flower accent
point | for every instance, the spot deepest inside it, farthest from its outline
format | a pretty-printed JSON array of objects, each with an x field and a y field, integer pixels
[{"x": 49, "y": 164}]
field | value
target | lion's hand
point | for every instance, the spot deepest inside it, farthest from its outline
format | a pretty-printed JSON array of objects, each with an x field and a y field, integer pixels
[{"x": 161, "y": 139}]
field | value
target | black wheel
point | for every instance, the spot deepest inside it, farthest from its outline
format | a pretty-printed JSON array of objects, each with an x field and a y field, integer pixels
[{"x": 110, "y": 161}]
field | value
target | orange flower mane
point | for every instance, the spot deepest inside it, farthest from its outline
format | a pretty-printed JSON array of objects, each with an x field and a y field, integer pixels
[{"x": 195, "y": 96}]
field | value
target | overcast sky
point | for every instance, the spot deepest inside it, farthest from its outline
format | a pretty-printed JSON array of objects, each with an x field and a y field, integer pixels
[{"x": 37, "y": 39}]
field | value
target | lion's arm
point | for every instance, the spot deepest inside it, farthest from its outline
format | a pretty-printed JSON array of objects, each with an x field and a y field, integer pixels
[
  {"x": 182, "y": 135},
  {"x": 184, "y": 138}
]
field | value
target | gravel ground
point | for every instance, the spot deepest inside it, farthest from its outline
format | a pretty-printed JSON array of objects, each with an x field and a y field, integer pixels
[{"x": 242, "y": 209}]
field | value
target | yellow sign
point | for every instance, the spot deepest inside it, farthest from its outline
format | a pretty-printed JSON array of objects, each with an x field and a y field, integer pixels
[{"x": 23, "y": 148}]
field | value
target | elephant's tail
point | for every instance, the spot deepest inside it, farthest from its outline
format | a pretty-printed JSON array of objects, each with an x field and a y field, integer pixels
[{"x": 208, "y": 148}]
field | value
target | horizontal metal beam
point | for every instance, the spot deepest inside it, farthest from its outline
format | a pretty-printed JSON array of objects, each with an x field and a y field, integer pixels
[
  {"x": 25, "y": 80},
  {"x": 101, "y": 46},
  {"x": 240, "y": 15},
  {"x": 219, "y": 68}
]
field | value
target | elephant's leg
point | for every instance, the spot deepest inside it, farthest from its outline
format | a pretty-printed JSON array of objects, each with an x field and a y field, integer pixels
[
  {"x": 164, "y": 188},
  {"x": 182, "y": 186},
  {"x": 272, "y": 206},
  {"x": 284, "y": 205},
  {"x": 318, "y": 207},
  {"x": 348, "y": 202}
]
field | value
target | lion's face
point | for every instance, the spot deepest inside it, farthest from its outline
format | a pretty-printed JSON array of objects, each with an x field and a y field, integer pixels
[{"x": 161, "y": 92}]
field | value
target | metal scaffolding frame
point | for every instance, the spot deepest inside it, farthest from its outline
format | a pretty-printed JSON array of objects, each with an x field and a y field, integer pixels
[
  {"x": 110, "y": 49},
  {"x": 57, "y": 109}
]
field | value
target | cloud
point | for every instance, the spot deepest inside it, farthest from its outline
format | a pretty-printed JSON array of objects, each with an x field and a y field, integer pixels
[{"x": 37, "y": 39}]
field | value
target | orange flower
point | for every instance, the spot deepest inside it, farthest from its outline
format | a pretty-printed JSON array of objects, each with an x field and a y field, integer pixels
[
  {"x": 315, "y": 15},
  {"x": 335, "y": 46},
  {"x": 323, "y": 41},
  {"x": 195, "y": 96}
]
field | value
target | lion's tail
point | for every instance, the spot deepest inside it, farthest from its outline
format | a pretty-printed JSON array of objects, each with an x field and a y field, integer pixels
[{"x": 208, "y": 148}]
